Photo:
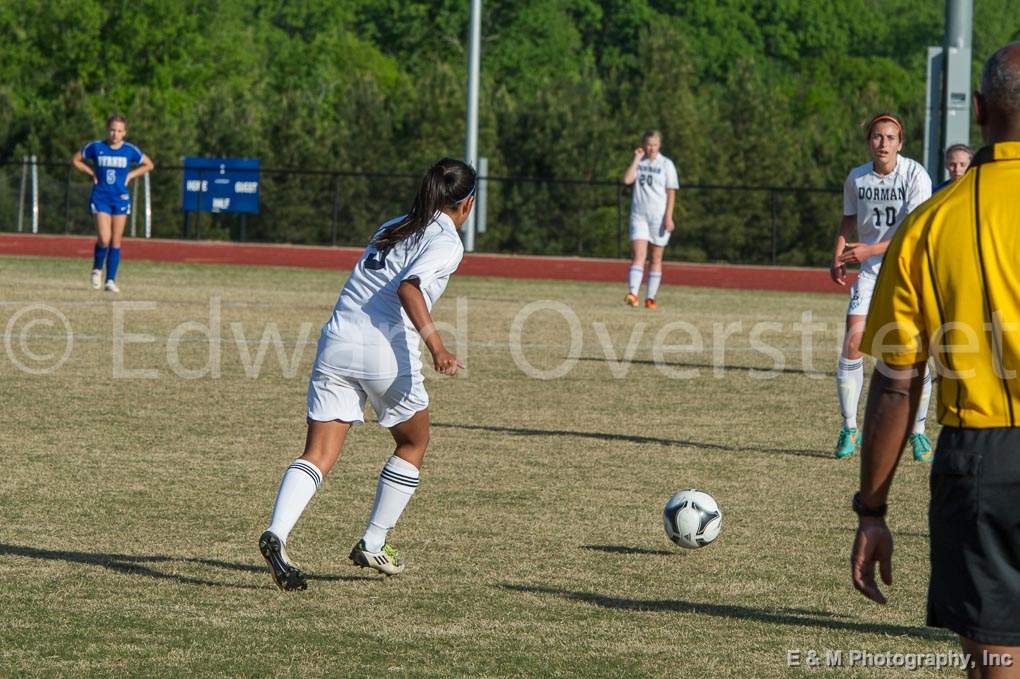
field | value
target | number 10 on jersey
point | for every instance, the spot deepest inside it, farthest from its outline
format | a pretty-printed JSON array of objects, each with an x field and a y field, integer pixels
[{"x": 890, "y": 216}]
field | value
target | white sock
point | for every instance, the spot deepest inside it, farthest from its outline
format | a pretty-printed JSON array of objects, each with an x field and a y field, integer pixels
[
  {"x": 397, "y": 482},
  {"x": 922, "y": 407},
  {"x": 634, "y": 280},
  {"x": 849, "y": 383},
  {"x": 299, "y": 484},
  {"x": 654, "y": 278}
]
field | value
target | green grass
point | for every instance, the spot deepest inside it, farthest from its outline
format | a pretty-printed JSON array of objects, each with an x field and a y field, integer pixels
[{"x": 131, "y": 506}]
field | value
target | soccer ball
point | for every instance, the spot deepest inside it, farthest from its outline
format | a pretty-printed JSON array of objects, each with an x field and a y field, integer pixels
[{"x": 692, "y": 518}]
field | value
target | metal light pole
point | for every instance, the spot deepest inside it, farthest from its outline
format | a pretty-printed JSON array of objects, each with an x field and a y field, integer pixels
[
  {"x": 148, "y": 206},
  {"x": 949, "y": 85},
  {"x": 957, "y": 87},
  {"x": 35, "y": 194},
  {"x": 471, "y": 135}
]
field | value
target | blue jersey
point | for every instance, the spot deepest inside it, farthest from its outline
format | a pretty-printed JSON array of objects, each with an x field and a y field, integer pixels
[{"x": 111, "y": 166}]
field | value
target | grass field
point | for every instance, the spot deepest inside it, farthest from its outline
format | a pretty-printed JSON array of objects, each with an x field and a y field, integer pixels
[{"x": 131, "y": 503}]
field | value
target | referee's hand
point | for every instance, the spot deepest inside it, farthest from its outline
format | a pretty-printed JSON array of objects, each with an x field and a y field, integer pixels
[
  {"x": 873, "y": 544},
  {"x": 446, "y": 363}
]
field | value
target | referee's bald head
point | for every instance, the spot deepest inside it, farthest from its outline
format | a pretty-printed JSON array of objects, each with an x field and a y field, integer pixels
[{"x": 1000, "y": 82}]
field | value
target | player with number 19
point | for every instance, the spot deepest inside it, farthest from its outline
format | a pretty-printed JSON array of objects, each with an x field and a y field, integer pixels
[
  {"x": 369, "y": 351},
  {"x": 877, "y": 197}
]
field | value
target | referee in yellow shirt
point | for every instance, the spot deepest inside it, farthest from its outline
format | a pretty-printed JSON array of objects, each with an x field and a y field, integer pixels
[{"x": 950, "y": 290}]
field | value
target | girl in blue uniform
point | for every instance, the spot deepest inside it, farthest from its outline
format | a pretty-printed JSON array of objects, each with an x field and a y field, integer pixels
[{"x": 110, "y": 201}]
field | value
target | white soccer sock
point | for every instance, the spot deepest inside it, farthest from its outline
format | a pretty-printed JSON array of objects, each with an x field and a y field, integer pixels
[
  {"x": 634, "y": 280},
  {"x": 299, "y": 484},
  {"x": 654, "y": 278},
  {"x": 922, "y": 407},
  {"x": 849, "y": 383},
  {"x": 397, "y": 483}
]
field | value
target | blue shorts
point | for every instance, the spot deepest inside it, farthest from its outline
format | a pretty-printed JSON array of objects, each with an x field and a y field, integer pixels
[{"x": 110, "y": 203}]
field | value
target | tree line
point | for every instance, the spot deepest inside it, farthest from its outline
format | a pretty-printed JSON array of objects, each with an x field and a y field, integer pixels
[{"x": 748, "y": 93}]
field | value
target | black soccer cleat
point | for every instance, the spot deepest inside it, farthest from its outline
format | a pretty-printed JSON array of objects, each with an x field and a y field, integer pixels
[{"x": 287, "y": 575}]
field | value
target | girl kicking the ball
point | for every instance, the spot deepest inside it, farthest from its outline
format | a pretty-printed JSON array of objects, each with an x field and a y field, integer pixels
[{"x": 369, "y": 351}]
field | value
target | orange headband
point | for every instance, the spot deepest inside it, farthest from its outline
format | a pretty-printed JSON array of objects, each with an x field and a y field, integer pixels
[{"x": 885, "y": 118}]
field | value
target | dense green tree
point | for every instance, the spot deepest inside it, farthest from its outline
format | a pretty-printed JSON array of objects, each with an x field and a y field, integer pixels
[{"x": 746, "y": 92}]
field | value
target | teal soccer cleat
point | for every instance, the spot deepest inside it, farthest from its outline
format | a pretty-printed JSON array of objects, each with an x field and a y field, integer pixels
[
  {"x": 921, "y": 446},
  {"x": 849, "y": 439}
]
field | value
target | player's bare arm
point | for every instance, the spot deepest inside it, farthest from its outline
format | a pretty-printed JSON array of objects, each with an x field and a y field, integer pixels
[
  {"x": 145, "y": 165},
  {"x": 892, "y": 401},
  {"x": 855, "y": 253},
  {"x": 667, "y": 219},
  {"x": 83, "y": 167},
  {"x": 630, "y": 176},
  {"x": 837, "y": 270},
  {"x": 414, "y": 305}
]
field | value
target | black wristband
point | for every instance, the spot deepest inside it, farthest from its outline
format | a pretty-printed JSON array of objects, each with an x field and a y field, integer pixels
[{"x": 863, "y": 510}]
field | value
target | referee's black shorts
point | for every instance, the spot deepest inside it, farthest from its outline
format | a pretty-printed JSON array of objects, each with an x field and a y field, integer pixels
[{"x": 974, "y": 528}]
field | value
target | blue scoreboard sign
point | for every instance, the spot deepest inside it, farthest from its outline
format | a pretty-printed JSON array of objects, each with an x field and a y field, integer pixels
[{"x": 221, "y": 185}]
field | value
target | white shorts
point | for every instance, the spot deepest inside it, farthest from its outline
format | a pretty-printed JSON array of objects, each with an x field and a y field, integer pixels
[
  {"x": 651, "y": 230},
  {"x": 860, "y": 294},
  {"x": 339, "y": 397}
]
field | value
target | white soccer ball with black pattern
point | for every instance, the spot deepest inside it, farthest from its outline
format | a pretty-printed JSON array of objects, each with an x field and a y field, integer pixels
[{"x": 692, "y": 518}]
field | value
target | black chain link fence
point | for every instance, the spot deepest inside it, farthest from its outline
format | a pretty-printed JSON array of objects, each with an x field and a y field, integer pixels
[{"x": 526, "y": 215}]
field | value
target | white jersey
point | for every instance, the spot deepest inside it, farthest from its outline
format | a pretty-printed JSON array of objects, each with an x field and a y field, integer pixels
[
  {"x": 882, "y": 201},
  {"x": 654, "y": 178},
  {"x": 369, "y": 335}
]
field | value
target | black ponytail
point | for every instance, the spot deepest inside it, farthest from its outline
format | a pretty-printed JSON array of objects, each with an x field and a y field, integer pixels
[{"x": 446, "y": 184}]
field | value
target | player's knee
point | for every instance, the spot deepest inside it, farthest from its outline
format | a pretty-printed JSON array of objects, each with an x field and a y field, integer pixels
[
  {"x": 323, "y": 459},
  {"x": 413, "y": 451}
]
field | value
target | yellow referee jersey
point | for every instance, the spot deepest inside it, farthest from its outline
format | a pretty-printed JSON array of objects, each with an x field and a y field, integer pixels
[{"x": 949, "y": 289}]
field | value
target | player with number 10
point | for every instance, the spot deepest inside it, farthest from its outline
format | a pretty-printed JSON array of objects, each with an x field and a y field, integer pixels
[{"x": 877, "y": 197}]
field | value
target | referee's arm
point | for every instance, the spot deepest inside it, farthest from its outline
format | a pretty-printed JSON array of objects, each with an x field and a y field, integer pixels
[
  {"x": 890, "y": 413},
  {"x": 895, "y": 333}
]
